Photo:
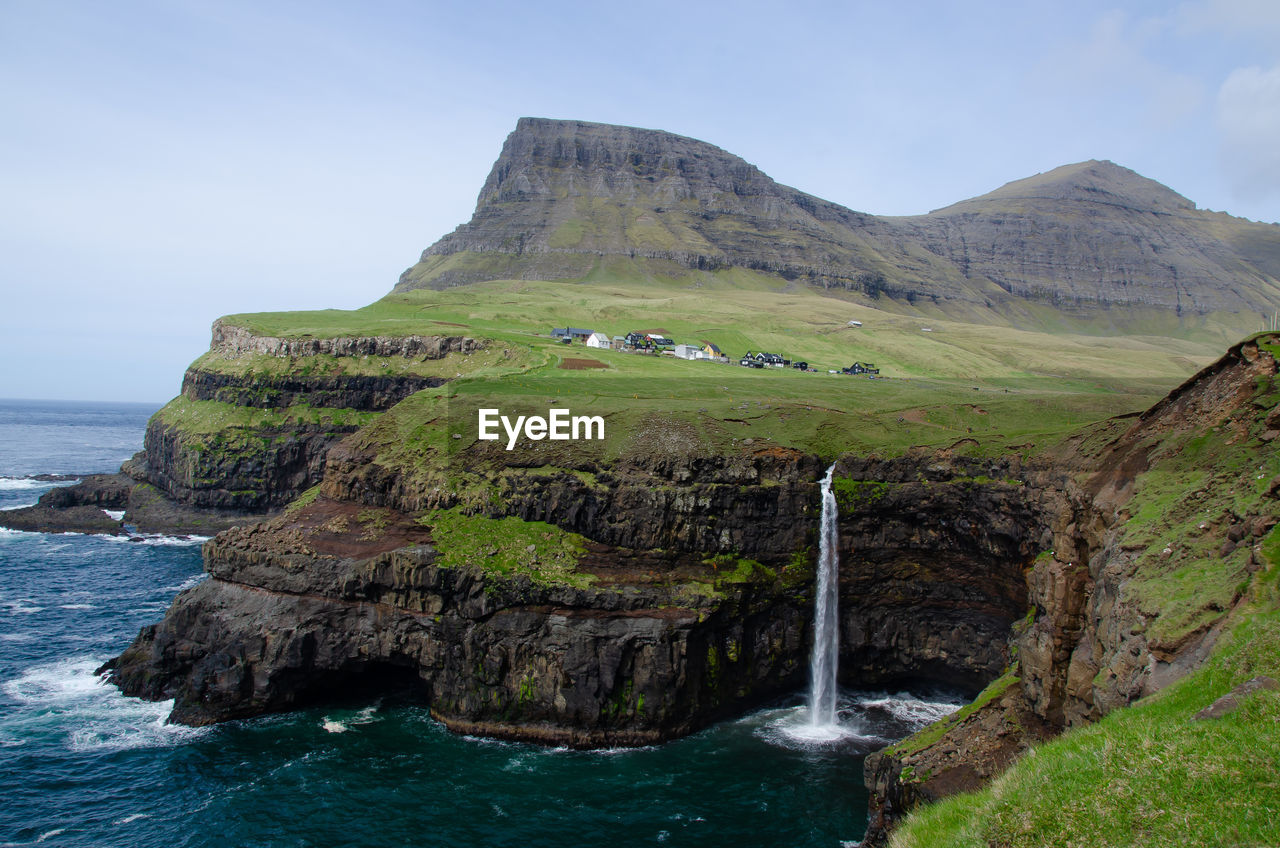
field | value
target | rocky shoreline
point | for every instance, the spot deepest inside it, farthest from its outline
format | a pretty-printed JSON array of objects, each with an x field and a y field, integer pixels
[{"x": 82, "y": 508}]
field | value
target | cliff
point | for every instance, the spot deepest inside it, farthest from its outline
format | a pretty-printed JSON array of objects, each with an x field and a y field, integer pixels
[
  {"x": 1074, "y": 242},
  {"x": 633, "y": 591},
  {"x": 1147, "y": 562},
  {"x": 588, "y": 612}
]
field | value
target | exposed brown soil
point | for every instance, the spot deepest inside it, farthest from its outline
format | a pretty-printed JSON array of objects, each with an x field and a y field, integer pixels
[
  {"x": 345, "y": 529},
  {"x": 581, "y": 364}
]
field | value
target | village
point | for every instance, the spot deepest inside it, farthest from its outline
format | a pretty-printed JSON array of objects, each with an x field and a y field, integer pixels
[{"x": 654, "y": 344}]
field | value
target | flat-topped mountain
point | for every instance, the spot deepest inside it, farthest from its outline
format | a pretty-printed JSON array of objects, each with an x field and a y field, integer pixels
[{"x": 574, "y": 200}]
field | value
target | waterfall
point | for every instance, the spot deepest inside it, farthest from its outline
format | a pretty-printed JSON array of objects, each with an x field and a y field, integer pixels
[{"x": 826, "y": 624}]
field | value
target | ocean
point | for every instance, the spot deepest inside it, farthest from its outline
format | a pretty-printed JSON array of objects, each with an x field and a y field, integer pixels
[{"x": 81, "y": 765}]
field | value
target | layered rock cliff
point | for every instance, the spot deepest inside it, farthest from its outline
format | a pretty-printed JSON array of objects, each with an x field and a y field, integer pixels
[
  {"x": 1077, "y": 240},
  {"x": 688, "y": 598},
  {"x": 258, "y": 413},
  {"x": 656, "y": 592},
  {"x": 1144, "y": 561}
]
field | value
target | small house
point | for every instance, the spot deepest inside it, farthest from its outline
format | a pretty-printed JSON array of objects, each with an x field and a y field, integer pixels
[
  {"x": 573, "y": 334},
  {"x": 599, "y": 340},
  {"x": 773, "y": 360},
  {"x": 750, "y": 361},
  {"x": 861, "y": 368},
  {"x": 638, "y": 341},
  {"x": 660, "y": 341},
  {"x": 711, "y": 350}
]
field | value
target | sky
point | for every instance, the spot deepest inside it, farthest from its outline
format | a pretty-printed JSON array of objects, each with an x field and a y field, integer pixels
[{"x": 165, "y": 163}]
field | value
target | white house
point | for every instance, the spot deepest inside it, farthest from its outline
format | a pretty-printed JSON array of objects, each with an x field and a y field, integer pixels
[
  {"x": 686, "y": 351},
  {"x": 597, "y": 340}
]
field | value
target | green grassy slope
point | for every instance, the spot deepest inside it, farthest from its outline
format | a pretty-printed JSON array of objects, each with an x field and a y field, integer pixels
[
  {"x": 739, "y": 310},
  {"x": 1150, "y": 774},
  {"x": 981, "y": 389}
]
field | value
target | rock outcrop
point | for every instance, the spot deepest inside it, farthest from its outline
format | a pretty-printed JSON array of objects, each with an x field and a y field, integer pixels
[
  {"x": 1077, "y": 240},
  {"x": 1105, "y": 627},
  {"x": 674, "y": 629},
  {"x": 346, "y": 391},
  {"x": 82, "y": 508},
  {"x": 294, "y": 612},
  {"x": 258, "y": 462},
  {"x": 232, "y": 340}
]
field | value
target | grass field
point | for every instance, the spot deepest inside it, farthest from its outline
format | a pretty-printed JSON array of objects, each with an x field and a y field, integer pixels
[
  {"x": 751, "y": 314},
  {"x": 944, "y": 381}
]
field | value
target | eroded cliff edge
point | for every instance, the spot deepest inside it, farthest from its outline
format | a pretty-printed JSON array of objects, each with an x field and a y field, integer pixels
[{"x": 1144, "y": 563}]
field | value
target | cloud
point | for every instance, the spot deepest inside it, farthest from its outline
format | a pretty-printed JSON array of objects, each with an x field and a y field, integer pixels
[{"x": 1248, "y": 121}]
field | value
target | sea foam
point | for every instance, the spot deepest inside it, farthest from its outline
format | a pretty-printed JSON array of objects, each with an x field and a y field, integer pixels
[
  {"x": 67, "y": 698},
  {"x": 17, "y": 484},
  {"x": 909, "y": 708},
  {"x": 155, "y": 539}
]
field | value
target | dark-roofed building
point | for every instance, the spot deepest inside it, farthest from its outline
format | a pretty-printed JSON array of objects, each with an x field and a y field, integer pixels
[{"x": 576, "y": 334}]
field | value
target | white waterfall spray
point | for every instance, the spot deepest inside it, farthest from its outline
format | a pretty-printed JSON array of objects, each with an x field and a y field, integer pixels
[{"x": 826, "y": 624}]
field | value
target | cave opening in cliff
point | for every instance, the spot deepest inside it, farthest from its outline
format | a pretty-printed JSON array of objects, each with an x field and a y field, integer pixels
[{"x": 381, "y": 681}]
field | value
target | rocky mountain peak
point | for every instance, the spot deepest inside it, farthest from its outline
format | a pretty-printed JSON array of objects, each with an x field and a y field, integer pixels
[
  {"x": 557, "y": 159},
  {"x": 565, "y": 198},
  {"x": 1094, "y": 181}
]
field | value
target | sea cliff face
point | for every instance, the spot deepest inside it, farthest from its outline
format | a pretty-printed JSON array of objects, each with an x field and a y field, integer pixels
[
  {"x": 258, "y": 413},
  {"x": 663, "y": 590},
  {"x": 660, "y": 631},
  {"x": 278, "y": 624}
]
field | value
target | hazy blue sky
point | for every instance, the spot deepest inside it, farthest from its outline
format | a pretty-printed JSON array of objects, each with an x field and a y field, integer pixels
[{"x": 164, "y": 163}]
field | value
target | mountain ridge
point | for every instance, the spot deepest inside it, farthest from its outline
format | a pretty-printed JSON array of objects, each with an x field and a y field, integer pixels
[{"x": 1076, "y": 240}]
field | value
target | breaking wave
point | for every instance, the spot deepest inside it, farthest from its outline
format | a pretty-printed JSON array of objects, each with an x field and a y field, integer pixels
[{"x": 68, "y": 699}]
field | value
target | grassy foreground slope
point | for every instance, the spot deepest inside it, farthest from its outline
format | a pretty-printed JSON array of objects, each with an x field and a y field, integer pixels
[
  {"x": 1150, "y": 774},
  {"x": 1202, "y": 532}
]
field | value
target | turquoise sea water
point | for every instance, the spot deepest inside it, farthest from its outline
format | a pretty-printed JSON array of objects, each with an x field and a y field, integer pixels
[{"x": 81, "y": 765}]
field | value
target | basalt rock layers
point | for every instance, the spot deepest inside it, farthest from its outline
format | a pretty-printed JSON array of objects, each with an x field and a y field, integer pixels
[
  {"x": 567, "y": 197},
  {"x": 1143, "y": 563},
  {"x": 142, "y": 508},
  {"x": 682, "y": 619},
  {"x": 1060, "y": 585},
  {"x": 286, "y": 617},
  {"x": 250, "y": 430},
  {"x": 258, "y": 413}
]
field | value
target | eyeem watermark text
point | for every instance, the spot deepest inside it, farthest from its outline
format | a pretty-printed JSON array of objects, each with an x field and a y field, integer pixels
[{"x": 559, "y": 425}]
